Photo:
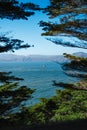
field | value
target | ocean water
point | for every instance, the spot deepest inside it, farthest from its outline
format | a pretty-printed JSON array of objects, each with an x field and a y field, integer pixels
[{"x": 39, "y": 76}]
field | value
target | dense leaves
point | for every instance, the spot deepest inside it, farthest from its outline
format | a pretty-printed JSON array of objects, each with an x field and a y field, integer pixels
[
  {"x": 66, "y": 105},
  {"x": 72, "y": 18},
  {"x": 11, "y": 97},
  {"x": 6, "y": 77},
  {"x": 77, "y": 63},
  {"x": 70, "y": 103},
  {"x": 69, "y": 29},
  {"x": 12, "y": 9},
  {"x": 9, "y": 44},
  {"x": 58, "y": 7}
]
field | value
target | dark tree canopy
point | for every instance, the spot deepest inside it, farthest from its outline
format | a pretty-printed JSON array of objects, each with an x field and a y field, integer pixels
[
  {"x": 5, "y": 77},
  {"x": 12, "y": 9},
  {"x": 68, "y": 104},
  {"x": 71, "y": 22},
  {"x": 12, "y": 94},
  {"x": 9, "y": 44},
  {"x": 11, "y": 97},
  {"x": 72, "y": 16}
]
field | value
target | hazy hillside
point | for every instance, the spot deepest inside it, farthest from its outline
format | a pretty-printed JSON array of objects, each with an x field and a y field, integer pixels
[
  {"x": 81, "y": 54},
  {"x": 56, "y": 58},
  {"x": 12, "y": 57}
]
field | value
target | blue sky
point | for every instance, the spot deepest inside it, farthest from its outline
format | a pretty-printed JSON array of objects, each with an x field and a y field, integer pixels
[{"x": 30, "y": 32}]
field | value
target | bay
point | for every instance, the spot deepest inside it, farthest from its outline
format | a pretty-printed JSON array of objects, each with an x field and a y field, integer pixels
[{"x": 39, "y": 76}]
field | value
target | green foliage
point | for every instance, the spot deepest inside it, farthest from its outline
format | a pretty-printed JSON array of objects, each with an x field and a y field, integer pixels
[
  {"x": 11, "y": 97},
  {"x": 71, "y": 17},
  {"x": 73, "y": 57},
  {"x": 72, "y": 22},
  {"x": 73, "y": 116},
  {"x": 80, "y": 85},
  {"x": 77, "y": 63},
  {"x": 68, "y": 104},
  {"x": 6, "y": 77},
  {"x": 65, "y": 106}
]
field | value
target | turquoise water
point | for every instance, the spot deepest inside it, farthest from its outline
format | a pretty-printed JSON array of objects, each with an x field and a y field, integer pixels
[{"x": 37, "y": 75}]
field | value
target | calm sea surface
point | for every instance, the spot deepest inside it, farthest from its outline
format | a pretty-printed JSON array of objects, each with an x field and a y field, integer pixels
[{"x": 37, "y": 75}]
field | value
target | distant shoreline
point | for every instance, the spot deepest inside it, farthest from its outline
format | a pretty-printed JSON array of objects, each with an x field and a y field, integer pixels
[{"x": 56, "y": 58}]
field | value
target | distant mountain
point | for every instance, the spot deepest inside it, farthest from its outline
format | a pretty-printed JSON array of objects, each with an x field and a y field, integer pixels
[
  {"x": 80, "y": 54},
  {"x": 58, "y": 58},
  {"x": 55, "y": 58},
  {"x": 12, "y": 57}
]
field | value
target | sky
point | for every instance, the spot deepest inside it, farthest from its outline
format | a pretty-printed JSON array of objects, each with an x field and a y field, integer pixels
[{"x": 30, "y": 32}]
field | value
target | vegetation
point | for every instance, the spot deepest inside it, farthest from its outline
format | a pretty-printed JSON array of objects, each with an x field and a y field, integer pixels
[
  {"x": 69, "y": 103},
  {"x": 13, "y": 9},
  {"x": 12, "y": 95},
  {"x": 65, "y": 106},
  {"x": 70, "y": 22}
]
